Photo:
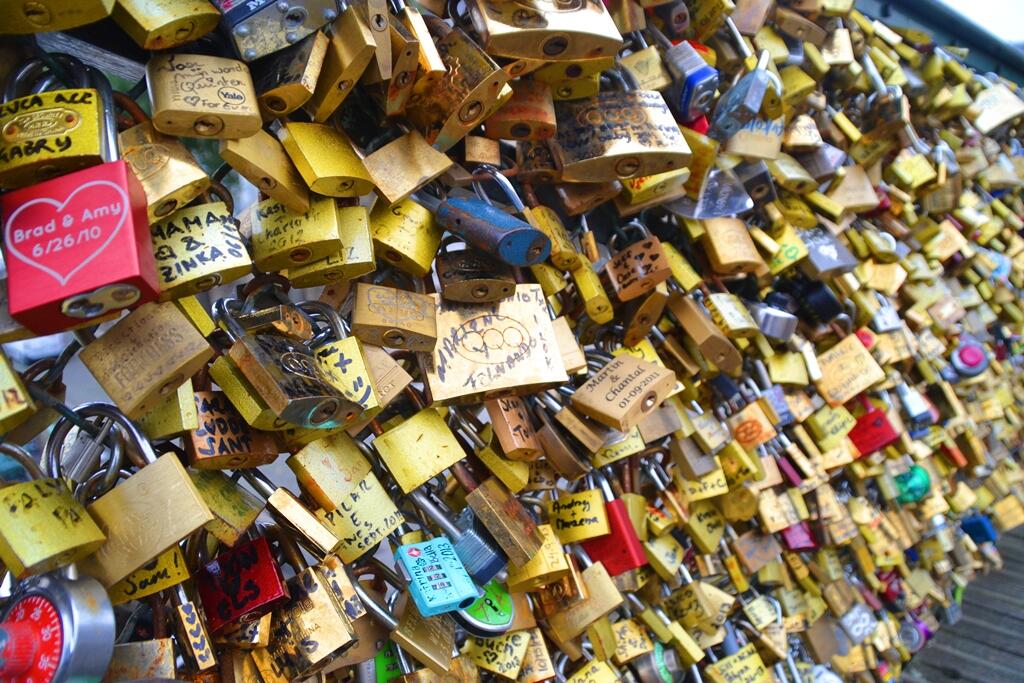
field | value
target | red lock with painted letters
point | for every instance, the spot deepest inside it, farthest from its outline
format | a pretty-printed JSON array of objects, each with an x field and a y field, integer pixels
[
  {"x": 241, "y": 584},
  {"x": 77, "y": 247}
]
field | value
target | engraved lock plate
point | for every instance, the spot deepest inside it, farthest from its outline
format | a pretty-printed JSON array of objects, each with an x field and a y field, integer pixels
[
  {"x": 618, "y": 135},
  {"x": 493, "y": 350},
  {"x": 197, "y": 249},
  {"x": 147, "y": 355}
]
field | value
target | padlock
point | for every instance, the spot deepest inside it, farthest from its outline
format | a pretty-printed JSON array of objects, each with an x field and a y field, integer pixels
[
  {"x": 146, "y": 356},
  {"x": 617, "y": 135},
  {"x": 109, "y": 239},
  {"x": 572, "y": 32},
  {"x": 470, "y": 275},
  {"x": 262, "y": 160},
  {"x": 285, "y": 374},
  {"x": 223, "y": 440},
  {"x": 201, "y": 96},
  {"x": 167, "y": 26},
  {"x": 286, "y": 80},
  {"x": 405, "y": 236},
  {"x": 266, "y": 26},
  {"x": 757, "y": 93},
  {"x": 476, "y": 550},
  {"x": 486, "y": 227},
  {"x": 57, "y": 628},
  {"x": 437, "y": 580},
  {"x": 170, "y": 175},
  {"x": 405, "y": 165},
  {"x": 240, "y": 584},
  {"x": 353, "y": 260},
  {"x": 395, "y": 318},
  {"x": 282, "y": 238},
  {"x": 636, "y": 268},
  {"x": 446, "y": 108},
  {"x": 694, "y": 81},
  {"x": 325, "y": 158},
  {"x": 125, "y": 513},
  {"x": 52, "y": 132},
  {"x": 199, "y": 247},
  {"x": 463, "y": 365},
  {"x": 311, "y": 607},
  {"x": 620, "y": 550},
  {"x": 623, "y": 391},
  {"x": 342, "y": 360},
  {"x": 43, "y": 509}
]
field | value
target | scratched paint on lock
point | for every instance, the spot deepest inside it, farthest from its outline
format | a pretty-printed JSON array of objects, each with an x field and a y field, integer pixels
[{"x": 440, "y": 582}]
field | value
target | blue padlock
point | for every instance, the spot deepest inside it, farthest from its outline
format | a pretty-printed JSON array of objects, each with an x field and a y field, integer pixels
[
  {"x": 438, "y": 582},
  {"x": 489, "y": 228},
  {"x": 980, "y": 528}
]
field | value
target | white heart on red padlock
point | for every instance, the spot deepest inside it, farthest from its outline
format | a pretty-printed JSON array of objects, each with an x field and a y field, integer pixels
[{"x": 44, "y": 227}]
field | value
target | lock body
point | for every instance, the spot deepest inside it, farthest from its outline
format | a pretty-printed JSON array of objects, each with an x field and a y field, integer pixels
[
  {"x": 170, "y": 175},
  {"x": 50, "y": 134},
  {"x": 77, "y": 247},
  {"x": 263, "y": 27},
  {"x": 197, "y": 249},
  {"x": 202, "y": 97}
]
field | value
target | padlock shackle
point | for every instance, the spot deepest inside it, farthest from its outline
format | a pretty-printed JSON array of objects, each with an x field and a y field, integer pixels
[
  {"x": 329, "y": 315},
  {"x": 378, "y": 611},
  {"x": 427, "y": 506},
  {"x": 260, "y": 483},
  {"x": 22, "y": 457}
]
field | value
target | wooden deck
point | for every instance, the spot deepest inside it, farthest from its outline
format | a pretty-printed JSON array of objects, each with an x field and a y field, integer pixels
[{"x": 987, "y": 644}]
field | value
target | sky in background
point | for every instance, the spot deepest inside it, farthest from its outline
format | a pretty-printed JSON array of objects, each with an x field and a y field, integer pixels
[{"x": 1004, "y": 18}]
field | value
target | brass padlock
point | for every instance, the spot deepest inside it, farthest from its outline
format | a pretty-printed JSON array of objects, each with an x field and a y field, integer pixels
[
  {"x": 37, "y": 17},
  {"x": 445, "y": 110},
  {"x": 618, "y": 135},
  {"x": 470, "y": 275},
  {"x": 394, "y": 318},
  {"x": 202, "y": 97},
  {"x": 282, "y": 238},
  {"x": 404, "y": 165},
  {"x": 198, "y": 248},
  {"x": 170, "y": 175},
  {"x": 285, "y": 81},
  {"x": 147, "y": 355},
  {"x": 166, "y": 25},
  {"x": 125, "y": 513},
  {"x": 262, "y": 160},
  {"x": 351, "y": 48},
  {"x": 51, "y": 132},
  {"x": 325, "y": 158},
  {"x": 637, "y": 268},
  {"x": 573, "y": 32}
]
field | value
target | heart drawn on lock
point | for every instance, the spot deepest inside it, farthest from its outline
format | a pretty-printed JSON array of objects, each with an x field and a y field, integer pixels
[{"x": 61, "y": 238}]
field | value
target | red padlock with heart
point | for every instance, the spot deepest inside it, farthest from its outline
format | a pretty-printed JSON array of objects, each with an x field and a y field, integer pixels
[{"x": 77, "y": 247}]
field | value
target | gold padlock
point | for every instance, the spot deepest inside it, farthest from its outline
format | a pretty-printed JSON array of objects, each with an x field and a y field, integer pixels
[{"x": 202, "y": 97}]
